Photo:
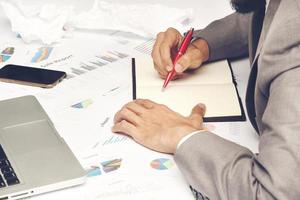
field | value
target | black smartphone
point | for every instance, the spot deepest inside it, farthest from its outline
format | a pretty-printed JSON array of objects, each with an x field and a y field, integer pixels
[{"x": 24, "y": 75}]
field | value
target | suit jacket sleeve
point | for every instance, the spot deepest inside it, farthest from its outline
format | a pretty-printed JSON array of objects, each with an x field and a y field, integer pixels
[
  {"x": 227, "y": 37},
  {"x": 224, "y": 170}
]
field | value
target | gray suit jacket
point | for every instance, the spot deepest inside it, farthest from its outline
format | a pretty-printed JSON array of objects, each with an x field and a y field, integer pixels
[{"x": 220, "y": 169}]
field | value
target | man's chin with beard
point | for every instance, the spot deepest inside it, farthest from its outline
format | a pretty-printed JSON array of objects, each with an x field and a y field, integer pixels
[{"x": 246, "y": 6}]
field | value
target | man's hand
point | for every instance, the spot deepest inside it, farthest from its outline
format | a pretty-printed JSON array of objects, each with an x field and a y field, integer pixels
[
  {"x": 156, "y": 126},
  {"x": 165, "y": 48}
]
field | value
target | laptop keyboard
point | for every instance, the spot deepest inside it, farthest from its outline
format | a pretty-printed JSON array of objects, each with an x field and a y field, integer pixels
[{"x": 7, "y": 175}]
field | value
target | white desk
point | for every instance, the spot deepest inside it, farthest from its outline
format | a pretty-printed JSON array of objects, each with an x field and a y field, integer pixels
[{"x": 138, "y": 180}]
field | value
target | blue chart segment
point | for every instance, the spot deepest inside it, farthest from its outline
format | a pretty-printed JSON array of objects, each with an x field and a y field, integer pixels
[
  {"x": 162, "y": 164},
  {"x": 94, "y": 171},
  {"x": 42, "y": 54},
  {"x": 6, "y": 54},
  {"x": 115, "y": 139},
  {"x": 83, "y": 104},
  {"x": 111, "y": 165}
]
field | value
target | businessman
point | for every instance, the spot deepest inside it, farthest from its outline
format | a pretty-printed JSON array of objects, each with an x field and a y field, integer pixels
[{"x": 269, "y": 32}]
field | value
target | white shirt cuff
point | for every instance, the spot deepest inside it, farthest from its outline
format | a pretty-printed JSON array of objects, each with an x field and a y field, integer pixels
[{"x": 185, "y": 138}]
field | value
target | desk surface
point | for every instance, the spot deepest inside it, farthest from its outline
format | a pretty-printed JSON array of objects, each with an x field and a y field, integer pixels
[{"x": 82, "y": 107}]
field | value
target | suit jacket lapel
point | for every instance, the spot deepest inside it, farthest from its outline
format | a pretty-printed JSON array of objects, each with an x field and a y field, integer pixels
[{"x": 258, "y": 31}]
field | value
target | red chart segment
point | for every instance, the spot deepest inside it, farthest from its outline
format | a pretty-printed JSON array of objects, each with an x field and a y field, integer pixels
[{"x": 162, "y": 164}]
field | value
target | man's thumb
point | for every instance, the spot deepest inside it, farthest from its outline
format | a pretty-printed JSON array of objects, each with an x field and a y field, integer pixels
[
  {"x": 183, "y": 63},
  {"x": 198, "y": 112},
  {"x": 192, "y": 59}
]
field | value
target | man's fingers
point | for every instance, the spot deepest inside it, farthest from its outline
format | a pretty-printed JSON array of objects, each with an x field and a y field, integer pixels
[
  {"x": 127, "y": 115},
  {"x": 156, "y": 53},
  {"x": 124, "y": 127},
  {"x": 136, "y": 108},
  {"x": 161, "y": 53},
  {"x": 165, "y": 53},
  {"x": 171, "y": 41},
  {"x": 146, "y": 103},
  {"x": 173, "y": 37},
  {"x": 197, "y": 114}
]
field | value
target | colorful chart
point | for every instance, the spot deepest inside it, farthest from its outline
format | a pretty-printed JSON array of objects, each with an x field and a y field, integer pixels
[
  {"x": 111, "y": 165},
  {"x": 162, "y": 164},
  {"x": 94, "y": 171},
  {"x": 83, "y": 104},
  {"x": 6, "y": 54},
  {"x": 42, "y": 54}
]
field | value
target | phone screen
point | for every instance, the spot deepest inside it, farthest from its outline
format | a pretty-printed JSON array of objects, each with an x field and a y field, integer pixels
[{"x": 31, "y": 75}]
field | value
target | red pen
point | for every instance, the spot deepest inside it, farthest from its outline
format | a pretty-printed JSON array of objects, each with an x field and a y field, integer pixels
[{"x": 182, "y": 49}]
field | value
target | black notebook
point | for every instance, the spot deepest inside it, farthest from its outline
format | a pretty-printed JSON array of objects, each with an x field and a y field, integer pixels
[{"x": 212, "y": 84}]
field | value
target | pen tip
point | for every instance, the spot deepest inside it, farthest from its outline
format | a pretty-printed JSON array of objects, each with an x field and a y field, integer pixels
[{"x": 162, "y": 89}]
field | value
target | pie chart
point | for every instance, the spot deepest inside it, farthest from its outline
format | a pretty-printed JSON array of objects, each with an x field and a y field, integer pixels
[
  {"x": 162, "y": 164},
  {"x": 6, "y": 54}
]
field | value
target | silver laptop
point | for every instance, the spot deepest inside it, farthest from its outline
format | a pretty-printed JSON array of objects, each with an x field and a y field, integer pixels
[{"x": 33, "y": 157}]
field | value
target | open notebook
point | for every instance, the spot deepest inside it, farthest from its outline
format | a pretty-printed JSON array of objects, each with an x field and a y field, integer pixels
[{"x": 212, "y": 84}]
